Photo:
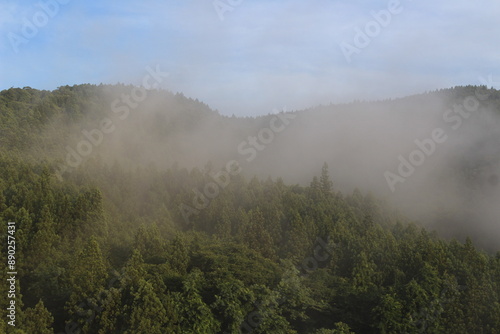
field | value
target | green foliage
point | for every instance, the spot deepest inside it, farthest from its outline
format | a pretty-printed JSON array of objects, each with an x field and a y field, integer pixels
[
  {"x": 195, "y": 315},
  {"x": 38, "y": 320},
  {"x": 86, "y": 280},
  {"x": 249, "y": 261},
  {"x": 147, "y": 313}
]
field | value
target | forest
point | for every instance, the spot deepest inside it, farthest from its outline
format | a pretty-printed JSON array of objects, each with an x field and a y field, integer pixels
[{"x": 126, "y": 222}]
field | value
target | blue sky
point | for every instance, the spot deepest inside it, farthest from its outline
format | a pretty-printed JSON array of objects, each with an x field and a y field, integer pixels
[{"x": 263, "y": 55}]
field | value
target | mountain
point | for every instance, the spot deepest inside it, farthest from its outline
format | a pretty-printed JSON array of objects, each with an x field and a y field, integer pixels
[{"x": 146, "y": 211}]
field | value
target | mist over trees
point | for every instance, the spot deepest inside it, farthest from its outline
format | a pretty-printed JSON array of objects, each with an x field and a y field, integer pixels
[{"x": 163, "y": 216}]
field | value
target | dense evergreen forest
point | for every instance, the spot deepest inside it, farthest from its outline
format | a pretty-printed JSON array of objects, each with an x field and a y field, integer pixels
[{"x": 116, "y": 243}]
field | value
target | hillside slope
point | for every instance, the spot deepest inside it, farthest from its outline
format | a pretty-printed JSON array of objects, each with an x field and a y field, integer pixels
[{"x": 147, "y": 218}]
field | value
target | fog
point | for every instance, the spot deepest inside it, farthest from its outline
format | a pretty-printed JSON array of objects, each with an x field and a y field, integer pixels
[
  {"x": 432, "y": 157},
  {"x": 452, "y": 184}
]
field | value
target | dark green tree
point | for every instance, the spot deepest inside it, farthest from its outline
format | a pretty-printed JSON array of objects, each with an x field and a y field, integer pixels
[
  {"x": 147, "y": 314},
  {"x": 38, "y": 320},
  {"x": 326, "y": 185}
]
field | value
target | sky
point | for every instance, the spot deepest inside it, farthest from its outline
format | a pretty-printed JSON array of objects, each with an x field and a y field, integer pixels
[{"x": 254, "y": 57}]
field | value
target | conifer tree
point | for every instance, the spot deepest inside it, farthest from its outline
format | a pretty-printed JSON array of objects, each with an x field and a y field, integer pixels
[
  {"x": 326, "y": 184},
  {"x": 196, "y": 316},
  {"x": 38, "y": 320},
  {"x": 86, "y": 281},
  {"x": 147, "y": 312}
]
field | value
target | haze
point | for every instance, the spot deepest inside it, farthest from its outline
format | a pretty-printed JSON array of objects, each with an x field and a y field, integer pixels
[{"x": 434, "y": 157}]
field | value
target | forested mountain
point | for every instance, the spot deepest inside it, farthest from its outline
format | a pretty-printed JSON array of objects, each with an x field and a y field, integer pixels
[{"x": 147, "y": 212}]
